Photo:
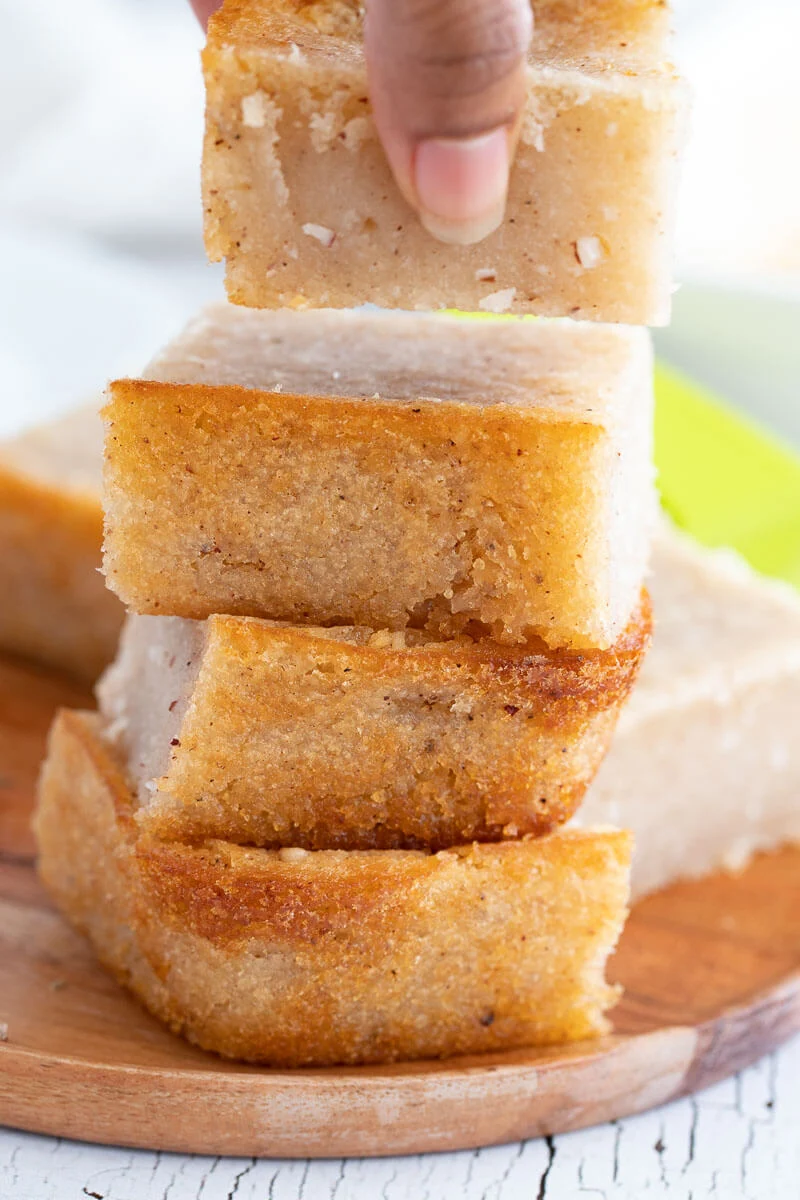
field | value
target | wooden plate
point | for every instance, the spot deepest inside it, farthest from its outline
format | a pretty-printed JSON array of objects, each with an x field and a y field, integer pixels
[{"x": 712, "y": 972}]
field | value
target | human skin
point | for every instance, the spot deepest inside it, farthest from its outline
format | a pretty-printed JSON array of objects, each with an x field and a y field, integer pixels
[{"x": 447, "y": 87}]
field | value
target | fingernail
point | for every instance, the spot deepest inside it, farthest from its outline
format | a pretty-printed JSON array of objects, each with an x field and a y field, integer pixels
[{"x": 461, "y": 185}]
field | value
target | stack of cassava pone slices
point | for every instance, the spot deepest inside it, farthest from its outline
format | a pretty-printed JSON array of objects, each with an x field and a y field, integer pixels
[{"x": 387, "y": 572}]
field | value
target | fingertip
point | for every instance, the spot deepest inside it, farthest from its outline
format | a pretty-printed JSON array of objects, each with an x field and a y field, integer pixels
[
  {"x": 448, "y": 84},
  {"x": 461, "y": 185}
]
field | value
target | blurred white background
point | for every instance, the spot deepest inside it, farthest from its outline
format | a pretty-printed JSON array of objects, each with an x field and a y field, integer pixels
[{"x": 100, "y": 127}]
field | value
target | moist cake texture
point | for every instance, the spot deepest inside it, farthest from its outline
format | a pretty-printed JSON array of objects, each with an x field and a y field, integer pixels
[
  {"x": 704, "y": 768},
  {"x": 291, "y": 958},
  {"x": 55, "y": 607},
  {"x": 352, "y": 738},
  {"x": 386, "y": 470},
  {"x": 300, "y": 202}
]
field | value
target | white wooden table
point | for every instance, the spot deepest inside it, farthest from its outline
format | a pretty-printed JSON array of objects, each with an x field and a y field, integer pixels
[{"x": 740, "y": 1139}]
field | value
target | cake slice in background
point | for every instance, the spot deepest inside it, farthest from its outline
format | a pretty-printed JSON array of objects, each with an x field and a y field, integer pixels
[
  {"x": 704, "y": 768},
  {"x": 54, "y": 604}
]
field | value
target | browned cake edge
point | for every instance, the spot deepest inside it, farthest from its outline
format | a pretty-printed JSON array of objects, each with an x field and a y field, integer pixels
[
  {"x": 161, "y": 564},
  {"x": 289, "y": 959},
  {"x": 558, "y": 708}
]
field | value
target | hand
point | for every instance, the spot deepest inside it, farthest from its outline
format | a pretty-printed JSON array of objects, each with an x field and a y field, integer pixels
[
  {"x": 204, "y": 9},
  {"x": 447, "y": 85}
]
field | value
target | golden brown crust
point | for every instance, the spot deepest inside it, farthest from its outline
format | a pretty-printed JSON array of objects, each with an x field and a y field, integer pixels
[
  {"x": 229, "y": 894},
  {"x": 333, "y": 957},
  {"x": 436, "y": 514},
  {"x": 286, "y": 737}
]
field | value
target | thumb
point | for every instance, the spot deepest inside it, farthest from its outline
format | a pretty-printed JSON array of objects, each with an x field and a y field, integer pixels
[
  {"x": 204, "y": 9},
  {"x": 447, "y": 84}
]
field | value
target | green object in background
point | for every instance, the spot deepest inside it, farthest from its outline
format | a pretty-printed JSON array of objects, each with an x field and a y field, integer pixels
[
  {"x": 722, "y": 478},
  {"x": 725, "y": 480}
]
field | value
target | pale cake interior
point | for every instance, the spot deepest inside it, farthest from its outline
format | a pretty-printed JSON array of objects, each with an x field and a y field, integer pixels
[
  {"x": 570, "y": 368},
  {"x": 65, "y": 453},
  {"x": 160, "y": 657},
  {"x": 705, "y": 764}
]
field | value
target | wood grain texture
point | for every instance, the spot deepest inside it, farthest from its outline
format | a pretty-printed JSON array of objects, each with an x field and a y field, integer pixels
[
  {"x": 734, "y": 1141},
  {"x": 712, "y": 972}
]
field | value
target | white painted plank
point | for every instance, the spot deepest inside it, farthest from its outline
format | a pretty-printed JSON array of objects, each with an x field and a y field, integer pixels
[{"x": 739, "y": 1140}]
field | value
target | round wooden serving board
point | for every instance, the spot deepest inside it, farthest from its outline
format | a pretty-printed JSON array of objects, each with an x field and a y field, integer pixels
[{"x": 711, "y": 971}]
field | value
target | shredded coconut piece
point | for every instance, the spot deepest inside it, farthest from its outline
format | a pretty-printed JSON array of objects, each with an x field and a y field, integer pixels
[
  {"x": 356, "y": 131},
  {"x": 532, "y": 129},
  {"x": 254, "y": 110},
  {"x": 326, "y": 237},
  {"x": 260, "y": 111},
  {"x": 486, "y": 275},
  {"x": 292, "y": 854},
  {"x": 498, "y": 302},
  {"x": 589, "y": 252},
  {"x": 388, "y": 639}
]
